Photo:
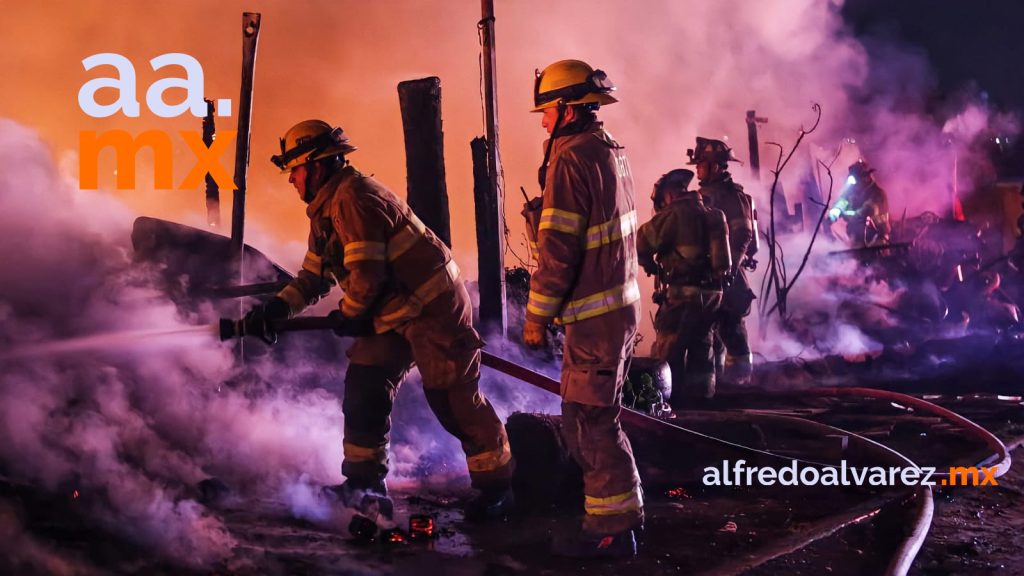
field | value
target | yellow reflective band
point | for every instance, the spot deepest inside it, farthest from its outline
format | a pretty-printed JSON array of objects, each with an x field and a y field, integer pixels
[
  {"x": 426, "y": 292},
  {"x": 356, "y": 453},
  {"x": 560, "y": 220},
  {"x": 601, "y": 303},
  {"x": 351, "y": 307},
  {"x": 312, "y": 263},
  {"x": 489, "y": 461},
  {"x": 296, "y": 301},
  {"x": 404, "y": 239},
  {"x": 533, "y": 250},
  {"x": 359, "y": 251},
  {"x": 618, "y": 504},
  {"x": 542, "y": 305},
  {"x": 612, "y": 230}
]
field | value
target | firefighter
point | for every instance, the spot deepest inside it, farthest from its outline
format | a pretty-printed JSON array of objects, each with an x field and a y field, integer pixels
[
  {"x": 586, "y": 280},
  {"x": 686, "y": 247},
  {"x": 733, "y": 358},
  {"x": 404, "y": 301},
  {"x": 864, "y": 206}
]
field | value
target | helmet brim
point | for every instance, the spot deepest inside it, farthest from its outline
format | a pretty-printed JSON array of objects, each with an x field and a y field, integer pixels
[
  {"x": 592, "y": 98},
  {"x": 331, "y": 151}
]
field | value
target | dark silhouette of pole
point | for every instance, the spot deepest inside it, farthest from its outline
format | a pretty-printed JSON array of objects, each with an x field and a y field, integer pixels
[
  {"x": 420, "y": 101},
  {"x": 490, "y": 234}
]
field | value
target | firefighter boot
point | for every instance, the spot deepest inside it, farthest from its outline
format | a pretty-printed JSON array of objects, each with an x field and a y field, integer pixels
[
  {"x": 490, "y": 503},
  {"x": 368, "y": 498},
  {"x": 585, "y": 545}
]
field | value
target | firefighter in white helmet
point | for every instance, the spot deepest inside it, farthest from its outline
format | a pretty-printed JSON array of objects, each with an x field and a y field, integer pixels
[
  {"x": 586, "y": 280},
  {"x": 404, "y": 302}
]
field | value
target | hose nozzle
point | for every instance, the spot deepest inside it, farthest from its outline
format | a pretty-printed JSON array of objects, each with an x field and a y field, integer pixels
[{"x": 231, "y": 329}]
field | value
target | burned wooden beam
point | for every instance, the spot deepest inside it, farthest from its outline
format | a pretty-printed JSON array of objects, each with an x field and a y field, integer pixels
[
  {"x": 755, "y": 152},
  {"x": 212, "y": 190},
  {"x": 250, "y": 39},
  {"x": 492, "y": 247},
  {"x": 420, "y": 101},
  {"x": 490, "y": 243}
]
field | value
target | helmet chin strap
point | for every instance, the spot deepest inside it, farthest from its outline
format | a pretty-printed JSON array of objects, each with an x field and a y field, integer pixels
[
  {"x": 542, "y": 173},
  {"x": 311, "y": 184}
]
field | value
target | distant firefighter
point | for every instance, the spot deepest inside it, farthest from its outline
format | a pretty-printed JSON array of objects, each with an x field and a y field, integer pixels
[
  {"x": 586, "y": 278},
  {"x": 864, "y": 205},
  {"x": 733, "y": 358},
  {"x": 686, "y": 247}
]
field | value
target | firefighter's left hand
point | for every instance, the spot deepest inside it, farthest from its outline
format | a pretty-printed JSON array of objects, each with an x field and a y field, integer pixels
[
  {"x": 535, "y": 335},
  {"x": 353, "y": 327}
]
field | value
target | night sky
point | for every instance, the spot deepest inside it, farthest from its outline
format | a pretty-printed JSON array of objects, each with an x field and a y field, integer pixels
[{"x": 967, "y": 42}]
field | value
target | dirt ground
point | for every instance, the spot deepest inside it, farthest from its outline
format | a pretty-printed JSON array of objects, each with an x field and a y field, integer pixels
[{"x": 977, "y": 530}]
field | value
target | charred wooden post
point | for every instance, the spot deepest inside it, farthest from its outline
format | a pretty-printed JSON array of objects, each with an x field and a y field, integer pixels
[
  {"x": 250, "y": 38},
  {"x": 420, "y": 101},
  {"x": 212, "y": 190},
  {"x": 489, "y": 241},
  {"x": 490, "y": 200},
  {"x": 755, "y": 153}
]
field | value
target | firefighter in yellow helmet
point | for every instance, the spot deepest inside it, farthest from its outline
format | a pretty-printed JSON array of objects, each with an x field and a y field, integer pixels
[
  {"x": 686, "y": 247},
  {"x": 586, "y": 279},
  {"x": 733, "y": 358},
  {"x": 404, "y": 301}
]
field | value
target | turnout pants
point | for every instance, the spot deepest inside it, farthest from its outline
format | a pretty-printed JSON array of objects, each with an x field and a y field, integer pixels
[
  {"x": 444, "y": 345},
  {"x": 734, "y": 362},
  {"x": 683, "y": 327},
  {"x": 596, "y": 357}
]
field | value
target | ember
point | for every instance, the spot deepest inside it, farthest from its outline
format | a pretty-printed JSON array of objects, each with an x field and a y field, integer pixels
[
  {"x": 678, "y": 493},
  {"x": 393, "y": 536},
  {"x": 421, "y": 527}
]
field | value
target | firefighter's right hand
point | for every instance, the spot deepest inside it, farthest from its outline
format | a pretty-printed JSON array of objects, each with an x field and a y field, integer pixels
[
  {"x": 535, "y": 334},
  {"x": 259, "y": 321},
  {"x": 834, "y": 214}
]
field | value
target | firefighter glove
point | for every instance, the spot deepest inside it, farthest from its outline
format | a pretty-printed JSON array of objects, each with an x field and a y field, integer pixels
[
  {"x": 345, "y": 326},
  {"x": 535, "y": 335},
  {"x": 259, "y": 321}
]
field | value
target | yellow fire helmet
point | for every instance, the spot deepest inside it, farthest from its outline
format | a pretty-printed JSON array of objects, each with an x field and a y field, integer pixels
[
  {"x": 310, "y": 140},
  {"x": 571, "y": 82}
]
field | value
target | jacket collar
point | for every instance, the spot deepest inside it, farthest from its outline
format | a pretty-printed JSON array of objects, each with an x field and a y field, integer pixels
[{"x": 327, "y": 190}]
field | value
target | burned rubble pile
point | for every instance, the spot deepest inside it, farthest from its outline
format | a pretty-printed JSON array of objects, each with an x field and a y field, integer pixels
[{"x": 941, "y": 302}]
